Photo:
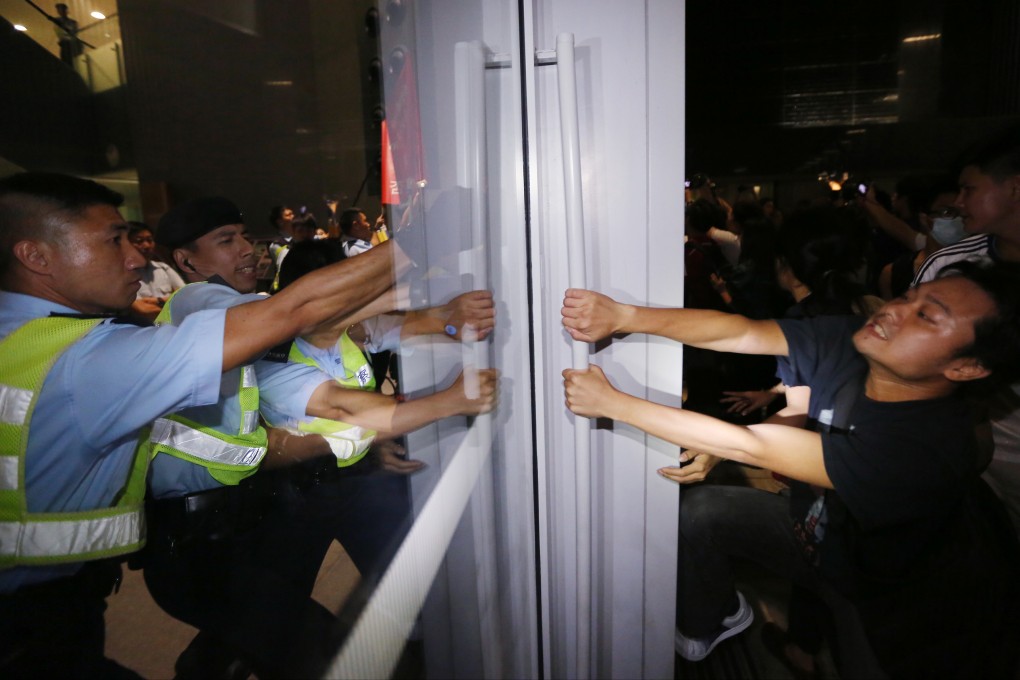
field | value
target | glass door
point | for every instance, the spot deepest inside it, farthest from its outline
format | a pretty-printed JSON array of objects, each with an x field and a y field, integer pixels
[{"x": 526, "y": 559}]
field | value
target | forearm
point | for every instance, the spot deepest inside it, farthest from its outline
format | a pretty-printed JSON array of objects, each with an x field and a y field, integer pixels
[
  {"x": 892, "y": 225},
  {"x": 416, "y": 413},
  {"x": 421, "y": 322},
  {"x": 286, "y": 448},
  {"x": 793, "y": 452},
  {"x": 323, "y": 295},
  {"x": 382, "y": 304},
  {"x": 326, "y": 334},
  {"x": 383, "y": 414},
  {"x": 707, "y": 329}
]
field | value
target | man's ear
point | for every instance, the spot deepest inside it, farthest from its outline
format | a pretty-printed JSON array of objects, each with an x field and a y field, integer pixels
[
  {"x": 1014, "y": 187},
  {"x": 36, "y": 256},
  {"x": 182, "y": 261},
  {"x": 966, "y": 369}
]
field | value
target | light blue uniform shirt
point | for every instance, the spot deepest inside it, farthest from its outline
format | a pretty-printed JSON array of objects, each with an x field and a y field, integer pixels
[
  {"x": 94, "y": 403},
  {"x": 283, "y": 387},
  {"x": 383, "y": 334}
]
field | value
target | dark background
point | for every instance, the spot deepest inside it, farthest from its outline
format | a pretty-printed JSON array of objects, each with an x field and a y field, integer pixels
[{"x": 781, "y": 90}]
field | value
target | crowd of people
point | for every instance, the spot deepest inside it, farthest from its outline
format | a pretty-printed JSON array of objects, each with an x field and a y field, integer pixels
[
  {"x": 155, "y": 407},
  {"x": 885, "y": 394}
]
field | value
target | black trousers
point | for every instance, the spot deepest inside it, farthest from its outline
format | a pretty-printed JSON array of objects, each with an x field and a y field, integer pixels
[
  {"x": 718, "y": 523},
  {"x": 56, "y": 629},
  {"x": 209, "y": 574},
  {"x": 367, "y": 510}
]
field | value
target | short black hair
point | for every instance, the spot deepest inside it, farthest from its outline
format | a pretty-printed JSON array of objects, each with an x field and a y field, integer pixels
[
  {"x": 943, "y": 184},
  {"x": 34, "y": 203},
  {"x": 915, "y": 189},
  {"x": 824, "y": 247},
  {"x": 307, "y": 256},
  {"x": 348, "y": 217},
  {"x": 275, "y": 213},
  {"x": 135, "y": 227},
  {"x": 997, "y": 336},
  {"x": 703, "y": 214}
]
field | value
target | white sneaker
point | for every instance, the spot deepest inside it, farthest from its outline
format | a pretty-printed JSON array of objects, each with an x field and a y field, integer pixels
[{"x": 696, "y": 649}]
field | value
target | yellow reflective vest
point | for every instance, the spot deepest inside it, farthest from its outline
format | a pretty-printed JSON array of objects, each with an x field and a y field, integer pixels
[
  {"x": 229, "y": 458},
  {"x": 37, "y": 538},
  {"x": 349, "y": 443}
]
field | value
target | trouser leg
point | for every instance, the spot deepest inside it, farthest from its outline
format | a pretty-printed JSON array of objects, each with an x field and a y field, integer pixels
[
  {"x": 219, "y": 587},
  {"x": 57, "y": 629},
  {"x": 721, "y": 522},
  {"x": 367, "y": 512},
  {"x": 371, "y": 532}
]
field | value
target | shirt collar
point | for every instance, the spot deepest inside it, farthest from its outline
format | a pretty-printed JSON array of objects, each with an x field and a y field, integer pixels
[{"x": 29, "y": 306}]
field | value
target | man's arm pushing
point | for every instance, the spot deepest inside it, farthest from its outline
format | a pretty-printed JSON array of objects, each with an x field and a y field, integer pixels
[
  {"x": 328, "y": 293},
  {"x": 390, "y": 418},
  {"x": 790, "y": 451},
  {"x": 794, "y": 414},
  {"x": 590, "y": 316}
]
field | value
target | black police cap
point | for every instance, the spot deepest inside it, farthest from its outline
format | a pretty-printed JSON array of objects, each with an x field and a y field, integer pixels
[{"x": 193, "y": 219}]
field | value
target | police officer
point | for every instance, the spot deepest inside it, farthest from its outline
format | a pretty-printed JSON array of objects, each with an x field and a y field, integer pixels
[
  {"x": 207, "y": 519},
  {"x": 77, "y": 390}
]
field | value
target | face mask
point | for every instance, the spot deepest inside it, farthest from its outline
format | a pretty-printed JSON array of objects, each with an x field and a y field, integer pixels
[{"x": 947, "y": 230}]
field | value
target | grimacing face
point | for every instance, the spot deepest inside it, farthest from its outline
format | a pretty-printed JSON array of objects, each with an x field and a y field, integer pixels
[
  {"x": 225, "y": 252},
  {"x": 916, "y": 337}
]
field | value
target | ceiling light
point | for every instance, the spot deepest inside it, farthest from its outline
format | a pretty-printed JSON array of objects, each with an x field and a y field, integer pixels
[
  {"x": 922, "y": 38},
  {"x": 19, "y": 27},
  {"x": 98, "y": 15},
  {"x": 834, "y": 185}
]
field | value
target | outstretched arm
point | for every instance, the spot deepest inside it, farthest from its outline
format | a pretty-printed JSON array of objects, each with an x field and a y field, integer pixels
[
  {"x": 474, "y": 307},
  {"x": 906, "y": 235},
  {"x": 388, "y": 417},
  {"x": 699, "y": 463},
  {"x": 590, "y": 316},
  {"x": 328, "y": 293},
  {"x": 790, "y": 451}
]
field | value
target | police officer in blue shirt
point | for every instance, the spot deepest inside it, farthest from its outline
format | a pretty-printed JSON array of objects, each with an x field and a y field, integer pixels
[
  {"x": 77, "y": 390},
  {"x": 203, "y": 565}
]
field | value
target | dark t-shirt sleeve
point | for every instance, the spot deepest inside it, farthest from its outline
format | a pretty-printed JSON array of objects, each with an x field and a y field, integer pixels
[{"x": 818, "y": 347}]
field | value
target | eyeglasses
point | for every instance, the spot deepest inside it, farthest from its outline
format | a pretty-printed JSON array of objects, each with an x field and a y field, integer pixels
[{"x": 945, "y": 211}]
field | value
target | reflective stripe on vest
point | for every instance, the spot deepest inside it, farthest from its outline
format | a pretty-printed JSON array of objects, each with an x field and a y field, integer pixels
[
  {"x": 9, "y": 472},
  {"x": 14, "y": 404},
  {"x": 30, "y": 538},
  {"x": 200, "y": 444},
  {"x": 349, "y": 443},
  {"x": 47, "y": 541},
  {"x": 229, "y": 458}
]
